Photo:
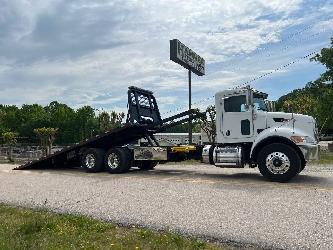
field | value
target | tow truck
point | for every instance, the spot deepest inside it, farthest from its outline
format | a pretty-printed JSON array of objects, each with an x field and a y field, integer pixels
[{"x": 247, "y": 134}]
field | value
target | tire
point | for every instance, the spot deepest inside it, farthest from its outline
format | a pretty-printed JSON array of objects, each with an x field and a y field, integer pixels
[
  {"x": 147, "y": 165},
  {"x": 92, "y": 160},
  {"x": 279, "y": 162},
  {"x": 117, "y": 160},
  {"x": 302, "y": 166}
]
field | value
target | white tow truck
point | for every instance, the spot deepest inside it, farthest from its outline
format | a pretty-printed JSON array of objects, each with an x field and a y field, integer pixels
[{"x": 278, "y": 143}]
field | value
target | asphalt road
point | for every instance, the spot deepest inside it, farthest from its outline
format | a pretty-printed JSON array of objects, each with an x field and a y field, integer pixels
[{"x": 229, "y": 205}]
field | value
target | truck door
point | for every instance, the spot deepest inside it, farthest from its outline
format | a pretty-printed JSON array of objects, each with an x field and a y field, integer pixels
[{"x": 237, "y": 117}]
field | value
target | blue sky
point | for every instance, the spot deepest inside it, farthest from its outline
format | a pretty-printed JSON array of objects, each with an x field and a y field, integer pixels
[{"x": 88, "y": 52}]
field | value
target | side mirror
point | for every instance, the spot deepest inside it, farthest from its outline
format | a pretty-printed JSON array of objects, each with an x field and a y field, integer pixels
[{"x": 244, "y": 107}]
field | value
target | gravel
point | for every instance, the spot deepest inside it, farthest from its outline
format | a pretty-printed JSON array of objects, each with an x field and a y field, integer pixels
[{"x": 227, "y": 205}]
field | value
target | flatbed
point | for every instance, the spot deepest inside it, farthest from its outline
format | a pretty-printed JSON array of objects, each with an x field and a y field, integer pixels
[{"x": 143, "y": 121}]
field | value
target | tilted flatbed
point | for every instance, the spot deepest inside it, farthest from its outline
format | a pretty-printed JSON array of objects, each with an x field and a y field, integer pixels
[
  {"x": 279, "y": 144},
  {"x": 143, "y": 121}
]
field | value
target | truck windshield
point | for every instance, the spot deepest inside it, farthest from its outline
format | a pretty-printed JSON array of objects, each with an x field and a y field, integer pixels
[{"x": 259, "y": 104}]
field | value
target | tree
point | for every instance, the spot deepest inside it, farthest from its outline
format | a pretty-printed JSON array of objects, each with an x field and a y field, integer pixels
[
  {"x": 326, "y": 58},
  {"x": 104, "y": 121},
  {"x": 62, "y": 117},
  {"x": 316, "y": 98},
  {"x": 46, "y": 136},
  {"x": 116, "y": 119},
  {"x": 208, "y": 123},
  {"x": 10, "y": 140},
  {"x": 107, "y": 122},
  {"x": 31, "y": 117},
  {"x": 10, "y": 120},
  {"x": 86, "y": 122}
]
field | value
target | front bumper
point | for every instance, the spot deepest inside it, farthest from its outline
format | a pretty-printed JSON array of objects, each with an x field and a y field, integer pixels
[{"x": 310, "y": 152}]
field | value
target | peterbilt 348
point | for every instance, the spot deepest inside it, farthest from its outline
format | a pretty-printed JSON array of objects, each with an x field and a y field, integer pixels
[{"x": 247, "y": 134}]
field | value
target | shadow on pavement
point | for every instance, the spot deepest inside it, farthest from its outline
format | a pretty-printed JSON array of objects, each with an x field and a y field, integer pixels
[{"x": 199, "y": 174}]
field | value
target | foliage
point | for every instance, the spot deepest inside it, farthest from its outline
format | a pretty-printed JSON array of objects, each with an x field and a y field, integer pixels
[
  {"x": 104, "y": 121},
  {"x": 107, "y": 122},
  {"x": 59, "y": 115},
  {"x": 30, "y": 229},
  {"x": 9, "y": 118},
  {"x": 46, "y": 136},
  {"x": 326, "y": 58},
  {"x": 73, "y": 125},
  {"x": 116, "y": 119},
  {"x": 86, "y": 123},
  {"x": 325, "y": 158},
  {"x": 9, "y": 139},
  {"x": 208, "y": 123},
  {"x": 316, "y": 98},
  {"x": 183, "y": 128}
]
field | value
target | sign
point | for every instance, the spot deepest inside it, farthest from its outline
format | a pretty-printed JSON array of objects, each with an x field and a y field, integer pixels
[{"x": 186, "y": 57}]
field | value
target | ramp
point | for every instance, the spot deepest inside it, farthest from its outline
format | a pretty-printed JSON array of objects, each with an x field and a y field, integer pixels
[
  {"x": 70, "y": 156},
  {"x": 143, "y": 120}
]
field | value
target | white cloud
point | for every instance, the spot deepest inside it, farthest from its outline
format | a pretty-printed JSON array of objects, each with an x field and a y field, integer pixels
[{"x": 79, "y": 51}]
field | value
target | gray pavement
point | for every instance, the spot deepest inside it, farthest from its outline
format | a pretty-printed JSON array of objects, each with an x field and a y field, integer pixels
[{"x": 228, "y": 205}]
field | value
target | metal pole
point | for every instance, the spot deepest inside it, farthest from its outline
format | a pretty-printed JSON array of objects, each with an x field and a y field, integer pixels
[{"x": 189, "y": 108}]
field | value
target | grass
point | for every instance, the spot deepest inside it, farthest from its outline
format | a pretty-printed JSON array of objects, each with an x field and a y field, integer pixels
[
  {"x": 35, "y": 229},
  {"x": 325, "y": 158}
]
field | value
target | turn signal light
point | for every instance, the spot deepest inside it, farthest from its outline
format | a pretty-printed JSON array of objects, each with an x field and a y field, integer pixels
[{"x": 298, "y": 139}]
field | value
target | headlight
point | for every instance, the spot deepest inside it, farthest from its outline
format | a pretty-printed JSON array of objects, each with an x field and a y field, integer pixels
[{"x": 302, "y": 139}]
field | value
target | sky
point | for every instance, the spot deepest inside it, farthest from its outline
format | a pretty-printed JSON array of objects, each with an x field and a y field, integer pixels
[{"x": 87, "y": 52}]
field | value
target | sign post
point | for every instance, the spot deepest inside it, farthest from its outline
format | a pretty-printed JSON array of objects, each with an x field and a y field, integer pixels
[
  {"x": 190, "y": 60},
  {"x": 189, "y": 108}
]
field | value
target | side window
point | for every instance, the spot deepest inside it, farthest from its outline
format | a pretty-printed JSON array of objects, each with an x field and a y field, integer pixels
[{"x": 235, "y": 104}]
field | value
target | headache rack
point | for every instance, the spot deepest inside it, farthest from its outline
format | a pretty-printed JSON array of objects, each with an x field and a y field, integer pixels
[{"x": 143, "y": 121}]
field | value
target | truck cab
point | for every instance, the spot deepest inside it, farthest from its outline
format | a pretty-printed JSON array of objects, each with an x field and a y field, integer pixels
[{"x": 278, "y": 143}]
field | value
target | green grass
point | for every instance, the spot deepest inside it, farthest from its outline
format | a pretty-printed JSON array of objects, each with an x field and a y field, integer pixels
[
  {"x": 325, "y": 158},
  {"x": 22, "y": 228}
]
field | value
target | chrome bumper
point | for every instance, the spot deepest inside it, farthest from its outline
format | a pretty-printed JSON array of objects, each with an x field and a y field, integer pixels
[{"x": 310, "y": 152}]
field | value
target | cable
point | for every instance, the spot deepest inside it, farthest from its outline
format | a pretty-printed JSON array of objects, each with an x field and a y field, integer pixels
[
  {"x": 275, "y": 70},
  {"x": 261, "y": 53},
  {"x": 262, "y": 50},
  {"x": 249, "y": 81}
]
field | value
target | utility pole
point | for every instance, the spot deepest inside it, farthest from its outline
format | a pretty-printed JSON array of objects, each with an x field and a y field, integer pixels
[{"x": 189, "y": 108}]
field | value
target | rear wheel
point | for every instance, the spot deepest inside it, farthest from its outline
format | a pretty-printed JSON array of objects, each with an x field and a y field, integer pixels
[
  {"x": 302, "y": 166},
  {"x": 279, "y": 162},
  {"x": 117, "y": 160},
  {"x": 92, "y": 160},
  {"x": 147, "y": 165}
]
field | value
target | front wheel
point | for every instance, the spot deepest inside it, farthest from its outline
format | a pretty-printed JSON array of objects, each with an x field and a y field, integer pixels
[{"x": 279, "y": 162}]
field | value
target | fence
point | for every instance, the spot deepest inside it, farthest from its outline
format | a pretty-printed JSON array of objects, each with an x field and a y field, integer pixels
[{"x": 24, "y": 153}]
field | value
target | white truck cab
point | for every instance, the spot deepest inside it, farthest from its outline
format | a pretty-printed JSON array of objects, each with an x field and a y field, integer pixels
[{"x": 278, "y": 143}]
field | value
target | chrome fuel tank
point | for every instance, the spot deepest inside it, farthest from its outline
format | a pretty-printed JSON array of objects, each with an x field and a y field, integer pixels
[{"x": 229, "y": 157}]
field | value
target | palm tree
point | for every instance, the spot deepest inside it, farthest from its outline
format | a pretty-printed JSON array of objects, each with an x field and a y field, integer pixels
[{"x": 47, "y": 137}]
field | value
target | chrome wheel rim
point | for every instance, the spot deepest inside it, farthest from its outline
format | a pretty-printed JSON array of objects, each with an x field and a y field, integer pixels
[
  {"x": 90, "y": 161},
  {"x": 113, "y": 161},
  {"x": 277, "y": 163}
]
